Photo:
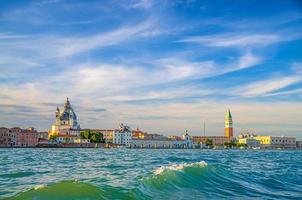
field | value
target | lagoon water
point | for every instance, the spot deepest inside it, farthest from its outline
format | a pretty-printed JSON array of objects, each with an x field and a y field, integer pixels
[{"x": 149, "y": 174}]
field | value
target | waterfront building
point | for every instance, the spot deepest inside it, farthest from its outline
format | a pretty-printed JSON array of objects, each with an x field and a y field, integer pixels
[
  {"x": 71, "y": 132},
  {"x": 250, "y": 142},
  {"x": 138, "y": 134},
  {"x": 276, "y": 142},
  {"x": 65, "y": 120},
  {"x": 71, "y": 139},
  {"x": 154, "y": 136},
  {"x": 5, "y": 137},
  {"x": 228, "y": 124},
  {"x": 17, "y": 137},
  {"x": 42, "y": 135},
  {"x": 122, "y": 135},
  {"x": 216, "y": 140},
  {"x": 160, "y": 141},
  {"x": 299, "y": 144},
  {"x": 175, "y": 137},
  {"x": 148, "y": 143}
]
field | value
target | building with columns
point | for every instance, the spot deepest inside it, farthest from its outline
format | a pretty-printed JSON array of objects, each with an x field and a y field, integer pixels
[{"x": 228, "y": 124}]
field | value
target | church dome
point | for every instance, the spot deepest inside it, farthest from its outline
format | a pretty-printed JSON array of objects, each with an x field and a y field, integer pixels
[
  {"x": 68, "y": 114},
  {"x": 64, "y": 116}
]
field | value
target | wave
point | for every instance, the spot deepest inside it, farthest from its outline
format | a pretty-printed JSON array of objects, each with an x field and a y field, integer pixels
[
  {"x": 146, "y": 188},
  {"x": 178, "y": 167},
  {"x": 198, "y": 180},
  {"x": 61, "y": 190}
]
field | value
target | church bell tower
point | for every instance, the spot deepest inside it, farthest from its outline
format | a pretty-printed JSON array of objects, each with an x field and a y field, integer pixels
[{"x": 228, "y": 124}]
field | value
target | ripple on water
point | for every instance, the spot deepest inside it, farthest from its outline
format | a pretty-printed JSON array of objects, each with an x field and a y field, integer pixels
[
  {"x": 129, "y": 174},
  {"x": 17, "y": 174}
]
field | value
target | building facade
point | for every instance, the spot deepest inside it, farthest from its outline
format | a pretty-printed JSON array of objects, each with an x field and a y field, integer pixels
[
  {"x": 122, "y": 136},
  {"x": 250, "y": 142},
  {"x": 65, "y": 120},
  {"x": 71, "y": 139},
  {"x": 277, "y": 142},
  {"x": 17, "y": 137},
  {"x": 5, "y": 137},
  {"x": 138, "y": 134},
  {"x": 299, "y": 144},
  {"x": 163, "y": 142},
  {"x": 228, "y": 124},
  {"x": 216, "y": 140}
]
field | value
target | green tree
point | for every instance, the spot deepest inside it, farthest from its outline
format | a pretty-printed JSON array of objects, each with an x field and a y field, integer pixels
[
  {"x": 52, "y": 137},
  {"x": 94, "y": 137},
  {"x": 230, "y": 144},
  {"x": 85, "y": 134},
  {"x": 241, "y": 145},
  {"x": 209, "y": 142}
]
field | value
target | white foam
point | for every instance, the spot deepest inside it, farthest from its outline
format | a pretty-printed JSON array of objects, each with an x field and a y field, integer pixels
[
  {"x": 179, "y": 167},
  {"x": 39, "y": 187}
]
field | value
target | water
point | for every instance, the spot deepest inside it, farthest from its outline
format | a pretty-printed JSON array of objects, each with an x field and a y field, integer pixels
[{"x": 149, "y": 174}]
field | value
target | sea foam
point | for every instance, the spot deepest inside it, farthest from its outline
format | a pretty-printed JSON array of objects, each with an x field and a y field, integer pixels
[
  {"x": 179, "y": 167},
  {"x": 39, "y": 187}
]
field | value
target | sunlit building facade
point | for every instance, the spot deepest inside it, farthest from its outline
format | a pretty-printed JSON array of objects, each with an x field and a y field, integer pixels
[
  {"x": 66, "y": 121},
  {"x": 276, "y": 142}
]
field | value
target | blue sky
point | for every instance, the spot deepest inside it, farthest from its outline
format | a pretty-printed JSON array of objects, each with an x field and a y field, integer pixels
[{"x": 162, "y": 66}]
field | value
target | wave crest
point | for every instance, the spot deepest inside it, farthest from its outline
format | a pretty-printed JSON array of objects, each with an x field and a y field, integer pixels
[{"x": 179, "y": 167}]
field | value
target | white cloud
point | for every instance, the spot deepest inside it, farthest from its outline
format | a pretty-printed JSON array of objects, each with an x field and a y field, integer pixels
[
  {"x": 53, "y": 46},
  {"x": 71, "y": 46},
  {"x": 101, "y": 80},
  {"x": 142, "y": 4},
  {"x": 285, "y": 93},
  {"x": 264, "y": 87},
  {"x": 235, "y": 40}
]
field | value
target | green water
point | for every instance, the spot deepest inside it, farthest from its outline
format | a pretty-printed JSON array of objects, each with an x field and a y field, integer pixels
[{"x": 149, "y": 174}]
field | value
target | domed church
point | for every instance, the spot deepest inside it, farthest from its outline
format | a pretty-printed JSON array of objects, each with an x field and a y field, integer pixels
[{"x": 65, "y": 120}]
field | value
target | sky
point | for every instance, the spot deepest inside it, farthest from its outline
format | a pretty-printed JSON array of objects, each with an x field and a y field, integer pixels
[{"x": 160, "y": 66}]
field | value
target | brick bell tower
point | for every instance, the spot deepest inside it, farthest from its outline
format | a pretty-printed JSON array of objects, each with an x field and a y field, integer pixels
[{"x": 228, "y": 124}]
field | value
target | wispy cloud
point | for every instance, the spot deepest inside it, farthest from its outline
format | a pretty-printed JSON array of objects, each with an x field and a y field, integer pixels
[
  {"x": 142, "y": 4},
  {"x": 123, "y": 83},
  {"x": 285, "y": 93},
  {"x": 61, "y": 46},
  {"x": 264, "y": 87},
  {"x": 236, "y": 39},
  {"x": 73, "y": 46}
]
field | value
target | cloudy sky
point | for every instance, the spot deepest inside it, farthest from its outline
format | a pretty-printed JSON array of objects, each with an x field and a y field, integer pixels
[{"x": 162, "y": 66}]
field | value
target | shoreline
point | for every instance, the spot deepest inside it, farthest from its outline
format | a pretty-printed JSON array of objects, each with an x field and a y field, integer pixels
[{"x": 215, "y": 149}]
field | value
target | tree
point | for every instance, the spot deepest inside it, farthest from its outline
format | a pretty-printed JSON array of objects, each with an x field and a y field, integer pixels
[
  {"x": 94, "y": 137},
  {"x": 209, "y": 142},
  {"x": 85, "y": 134},
  {"x": 230, "y": 144},
  {"x": 52, "y": 137},
  {"x": 241, "y": 145}
]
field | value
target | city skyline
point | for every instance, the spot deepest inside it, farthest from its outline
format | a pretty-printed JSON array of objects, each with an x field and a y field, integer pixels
[{"x": 128, "y": 62}]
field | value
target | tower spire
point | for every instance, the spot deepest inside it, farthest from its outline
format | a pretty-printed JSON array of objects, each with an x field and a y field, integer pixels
[
  {"x": 67, "y": 103},
  {"x": 228, "y": 124}
]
